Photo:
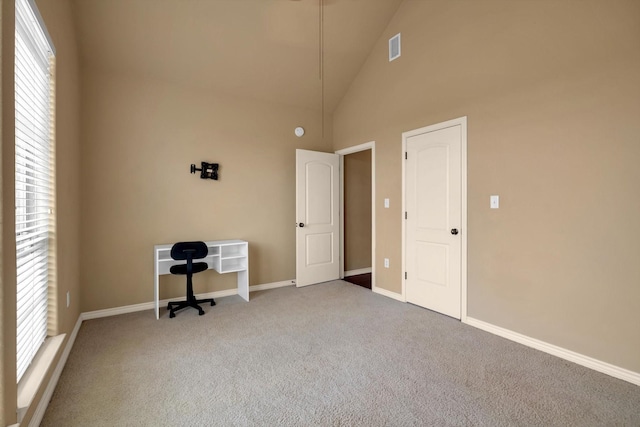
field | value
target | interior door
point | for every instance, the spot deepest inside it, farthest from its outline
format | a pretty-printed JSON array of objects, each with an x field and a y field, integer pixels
[
  {"x": 317, "y": 217},
  {"x": 433, "y": 201}
]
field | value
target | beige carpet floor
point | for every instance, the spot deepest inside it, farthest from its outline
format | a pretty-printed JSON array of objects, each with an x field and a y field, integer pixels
[{"x": 333, "y": 354}]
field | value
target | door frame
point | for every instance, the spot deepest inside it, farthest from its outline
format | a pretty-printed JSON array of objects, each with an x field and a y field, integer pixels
[
  {"x": 462, "y": 122},
  {"x": 343, "y": 152}
]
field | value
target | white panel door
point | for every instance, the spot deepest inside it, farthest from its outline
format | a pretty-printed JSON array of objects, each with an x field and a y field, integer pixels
[
  {"x": 433, "y": 202},
  {"x": 317, "y": 221}
]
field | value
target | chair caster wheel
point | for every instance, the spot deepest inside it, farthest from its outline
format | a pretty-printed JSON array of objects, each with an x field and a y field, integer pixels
[
  {"x": 172, "y": 315},
  {"x": 213, "y": 303},
  {"x": 201, "y": 312}
]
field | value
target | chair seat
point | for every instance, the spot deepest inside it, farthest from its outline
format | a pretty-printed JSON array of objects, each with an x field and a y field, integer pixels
[{"x": 182, "y": 268}]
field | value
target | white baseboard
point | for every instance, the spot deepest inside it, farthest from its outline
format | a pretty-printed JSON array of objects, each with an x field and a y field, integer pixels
[
  {"x": 117, "y": 310},
  {"x": 36, "y": 419},
  {"x": 272, "y": 285},
  {"x": 388, "y": 294},
  {"x": 571, "y": 356},
  {"x": 150, "y": 305},
  {"x": 357, "y": 272}
]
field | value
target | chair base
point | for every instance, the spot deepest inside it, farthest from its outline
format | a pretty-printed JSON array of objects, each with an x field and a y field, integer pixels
[{"x": 174, "y": 306}]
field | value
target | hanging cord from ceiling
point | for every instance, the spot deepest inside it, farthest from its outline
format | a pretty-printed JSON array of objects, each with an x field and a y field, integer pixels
[{"x": 321, "y": 58}]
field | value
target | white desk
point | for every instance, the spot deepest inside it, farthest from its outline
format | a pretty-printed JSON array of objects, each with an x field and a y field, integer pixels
[{"x": 225, "y": 256}]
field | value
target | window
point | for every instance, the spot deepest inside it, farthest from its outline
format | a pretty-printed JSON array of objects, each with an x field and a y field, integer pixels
[{"x": 34, "y": 56}]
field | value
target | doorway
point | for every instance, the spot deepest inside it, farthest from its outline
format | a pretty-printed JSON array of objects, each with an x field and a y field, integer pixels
[{"x": 357, "y": 207}]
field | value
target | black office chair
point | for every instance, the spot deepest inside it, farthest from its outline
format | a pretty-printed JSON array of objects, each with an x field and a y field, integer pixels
[{"x": 189, "y": 251}]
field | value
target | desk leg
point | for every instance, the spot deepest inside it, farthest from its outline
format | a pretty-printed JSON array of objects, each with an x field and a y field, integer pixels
[
  {"x": 243, "y": 284},
  {"x": 156, "y": 287}
]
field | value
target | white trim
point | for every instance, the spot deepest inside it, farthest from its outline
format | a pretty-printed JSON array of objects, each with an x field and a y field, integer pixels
[
  {"x": 341, "y": 236},
  {"x": 402, "y": 220},
  {"x": 107, "y": 312},
  {"x": 373, "y": 216},
  {"x": 462, "y": 122},
  {"x": 357, "y": 272},
  {"x": 389, "y": 294},
  {"x": 272, "y": 285},
  {"x": 357, "y": 148},
  {"x": 571, "y": 356},
  {"x": 150, "y": 305},
  {"x": 371, "y": 145},
  {"x": 36, "y": 419},
  {"x": 36, "y": 373},
  {"x": 464, "y": 224}
]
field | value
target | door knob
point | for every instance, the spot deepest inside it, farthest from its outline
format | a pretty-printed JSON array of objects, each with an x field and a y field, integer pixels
[
  {"x": 301, "y": 224},
  {"x": 454, "y": 231}
]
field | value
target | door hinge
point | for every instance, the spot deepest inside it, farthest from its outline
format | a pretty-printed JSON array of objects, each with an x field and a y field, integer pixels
[
  {"x": 406, "y": 155},
  {"x": 405, "y": 214},
  {"x": 405, "y": 275}
]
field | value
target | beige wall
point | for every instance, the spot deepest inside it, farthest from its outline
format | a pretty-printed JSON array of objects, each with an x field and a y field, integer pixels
[
  {"x": 58, "y": 19},
  {"x": 357, "y": 210},
  {"x": 139, "y": 138},
  {"x": 551, "y": 90}
]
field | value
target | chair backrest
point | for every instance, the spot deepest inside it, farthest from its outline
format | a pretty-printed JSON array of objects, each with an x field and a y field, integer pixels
[{"x": 189, "y": 250}]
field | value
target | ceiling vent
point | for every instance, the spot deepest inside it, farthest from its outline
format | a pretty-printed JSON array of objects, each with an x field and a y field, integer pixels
[{"x": 394, "y": 47}]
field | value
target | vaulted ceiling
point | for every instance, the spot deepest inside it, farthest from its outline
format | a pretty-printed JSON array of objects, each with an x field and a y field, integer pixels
[{"x": 268, "y": 50}]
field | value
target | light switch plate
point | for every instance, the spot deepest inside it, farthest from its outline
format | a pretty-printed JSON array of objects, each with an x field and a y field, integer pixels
[
  {"x": 386, "y": 203},
  {"x": 386, "y": 263},
  {"x": 494, "y": 202}
]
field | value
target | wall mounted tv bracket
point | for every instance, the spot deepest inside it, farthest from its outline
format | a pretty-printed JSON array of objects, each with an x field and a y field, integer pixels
[{"x": 207, "y": 171}]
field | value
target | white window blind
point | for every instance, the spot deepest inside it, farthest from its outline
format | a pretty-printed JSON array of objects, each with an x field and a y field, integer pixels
[{"x": 34, "y": 179}]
